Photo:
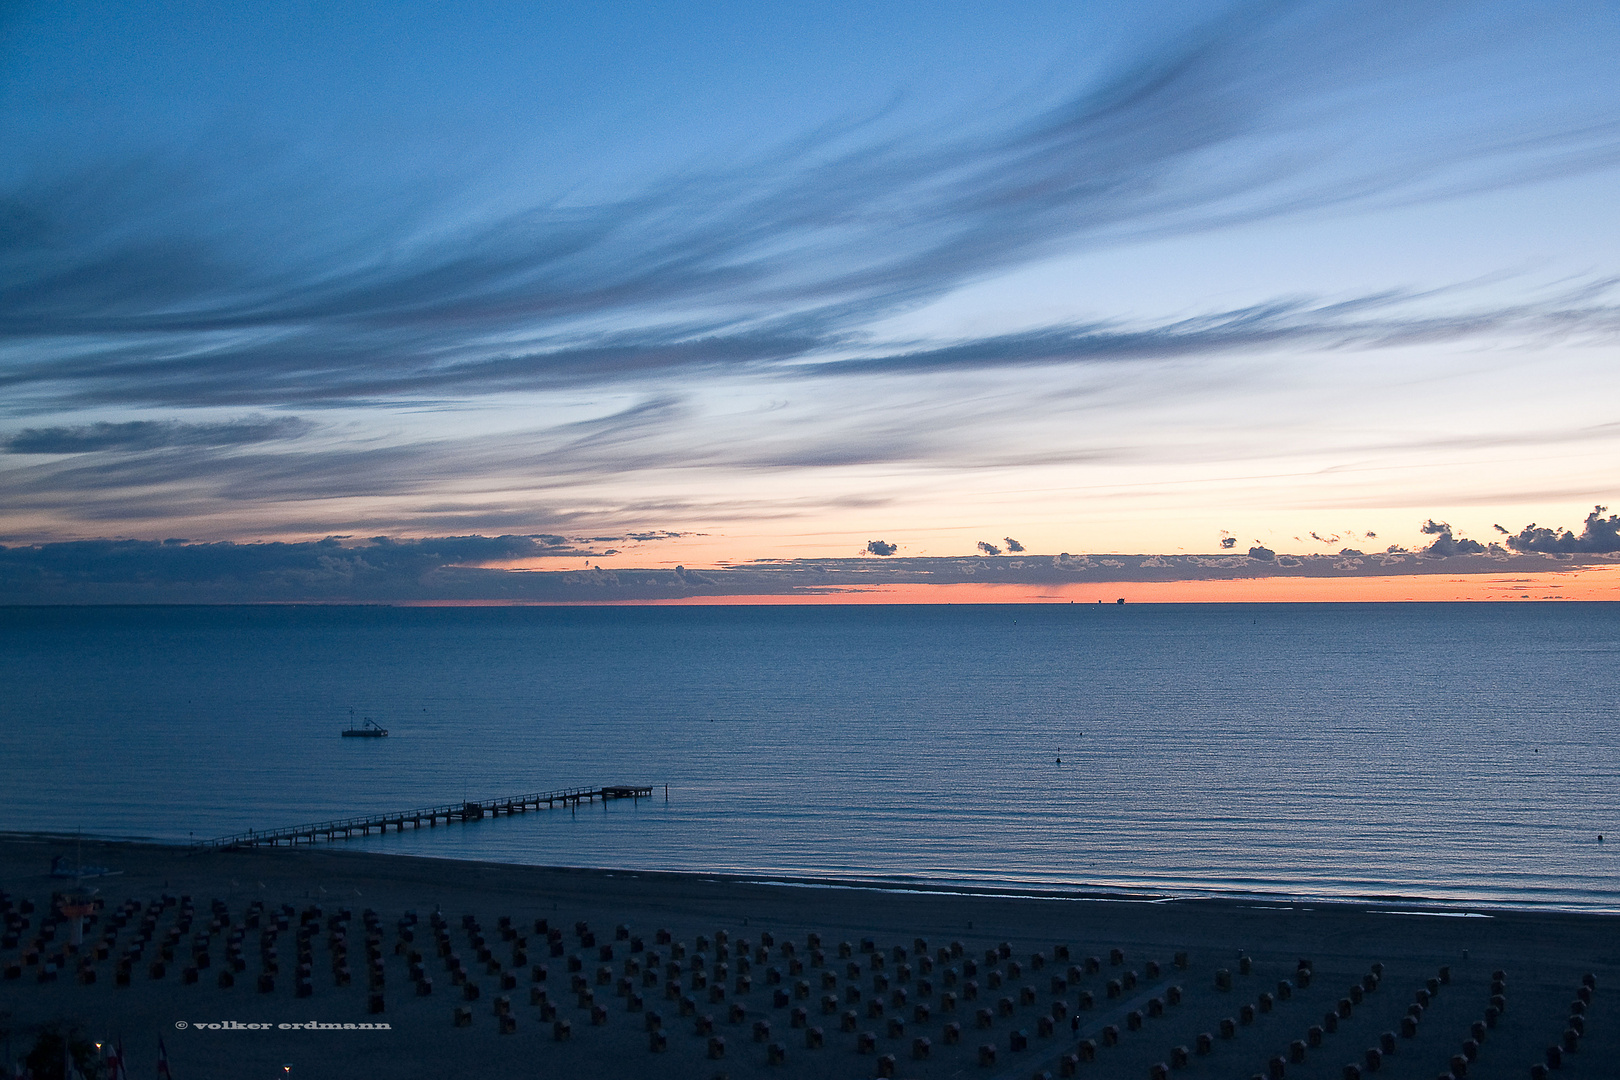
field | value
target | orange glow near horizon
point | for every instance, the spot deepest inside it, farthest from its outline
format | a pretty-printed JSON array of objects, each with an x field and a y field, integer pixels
[
  {"x": 1600, "y": 584},
  {"x": 1586, "y": 583}
]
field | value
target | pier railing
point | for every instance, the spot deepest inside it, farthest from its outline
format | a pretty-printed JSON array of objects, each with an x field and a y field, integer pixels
[{"x": 343, "y": 828}]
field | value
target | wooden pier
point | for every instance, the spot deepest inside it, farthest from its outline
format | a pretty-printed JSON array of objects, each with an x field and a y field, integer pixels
[{"x": 344, "y": 828}]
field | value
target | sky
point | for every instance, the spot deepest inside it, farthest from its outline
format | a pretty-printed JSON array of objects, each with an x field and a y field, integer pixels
[{"x": 538, "y": 302}]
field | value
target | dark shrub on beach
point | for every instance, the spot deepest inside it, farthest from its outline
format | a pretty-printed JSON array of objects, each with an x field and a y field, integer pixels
[{"x": 51, "y": 1047}]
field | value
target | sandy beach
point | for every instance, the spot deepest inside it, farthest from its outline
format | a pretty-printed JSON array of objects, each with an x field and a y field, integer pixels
[{"x": 646, "y": 974}]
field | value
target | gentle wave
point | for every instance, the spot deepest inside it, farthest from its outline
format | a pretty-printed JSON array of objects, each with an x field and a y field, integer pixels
[{"x": 1457, "y": 752}]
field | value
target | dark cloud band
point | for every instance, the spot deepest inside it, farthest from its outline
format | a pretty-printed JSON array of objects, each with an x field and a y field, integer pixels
[
  {"x": 454, "y": 569},
  {"x": 140, "y": 435}
]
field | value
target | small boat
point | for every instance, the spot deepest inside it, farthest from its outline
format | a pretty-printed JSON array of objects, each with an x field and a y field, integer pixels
[{"x": 368, "y": 729}]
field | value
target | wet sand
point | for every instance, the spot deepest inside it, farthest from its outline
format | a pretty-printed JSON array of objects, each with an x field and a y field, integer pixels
[{"x": 884, "y": 968}]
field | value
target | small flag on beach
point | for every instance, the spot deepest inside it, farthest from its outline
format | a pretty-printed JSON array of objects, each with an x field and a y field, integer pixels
[
  {"x": 115, "y": 1066},
  {"x": 163, "y": 1061}
]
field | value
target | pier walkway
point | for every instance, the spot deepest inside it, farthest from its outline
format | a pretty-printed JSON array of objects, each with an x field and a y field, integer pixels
[{"x": 344, "y": 828}]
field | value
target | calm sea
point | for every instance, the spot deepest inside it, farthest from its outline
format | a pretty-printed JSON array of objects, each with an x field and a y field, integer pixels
[{"x": 1463, "y": 751}]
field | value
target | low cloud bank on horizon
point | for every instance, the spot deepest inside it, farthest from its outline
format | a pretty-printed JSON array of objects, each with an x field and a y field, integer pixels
[{"x": 444, "y": 569}]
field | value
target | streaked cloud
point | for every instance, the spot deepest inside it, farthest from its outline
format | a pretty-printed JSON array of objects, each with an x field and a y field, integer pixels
[
  {"x": 141, "y": 435},
  {"x": 238, "y": 333},
  {"x": 169, "y": 279}
]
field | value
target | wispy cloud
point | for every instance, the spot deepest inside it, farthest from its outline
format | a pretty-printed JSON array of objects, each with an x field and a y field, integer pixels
[{"x": 171, "y": 280}]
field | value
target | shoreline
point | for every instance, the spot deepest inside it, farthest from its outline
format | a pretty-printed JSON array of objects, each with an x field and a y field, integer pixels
[{"x": 923, "y": 885}]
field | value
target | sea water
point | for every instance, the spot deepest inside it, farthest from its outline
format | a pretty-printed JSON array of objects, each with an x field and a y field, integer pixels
[{"x": 1450, "y": 751}]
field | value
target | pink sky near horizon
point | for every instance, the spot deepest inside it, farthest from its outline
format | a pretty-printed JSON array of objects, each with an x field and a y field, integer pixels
[{"x": 1582, "y": 584}]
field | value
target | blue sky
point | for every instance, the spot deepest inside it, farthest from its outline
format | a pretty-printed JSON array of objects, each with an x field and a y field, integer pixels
[{"x": 773, "y": 281}]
